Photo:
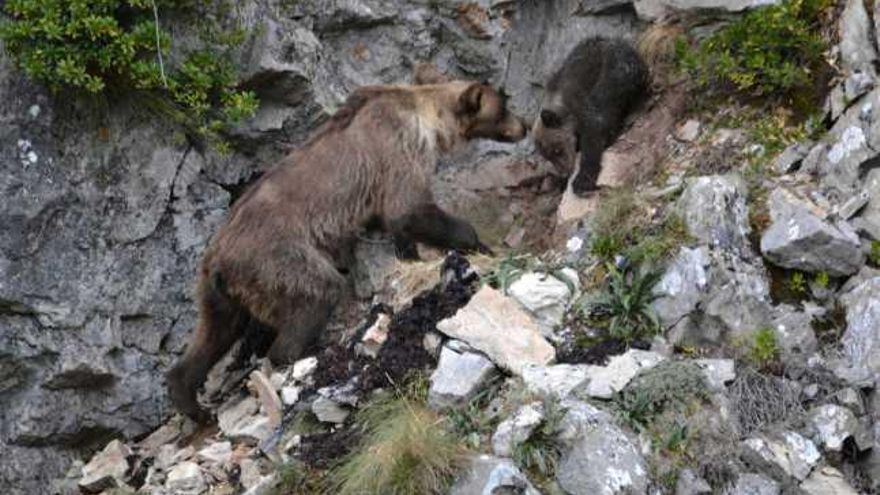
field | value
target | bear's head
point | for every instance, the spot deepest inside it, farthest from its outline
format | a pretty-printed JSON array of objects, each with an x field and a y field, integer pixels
[{"x": 480, "y": 109}]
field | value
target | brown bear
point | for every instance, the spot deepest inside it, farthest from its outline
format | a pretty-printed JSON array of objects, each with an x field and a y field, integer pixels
[
  {"x": 585, "y": 104},
  {"x": 276, "y": 259}
]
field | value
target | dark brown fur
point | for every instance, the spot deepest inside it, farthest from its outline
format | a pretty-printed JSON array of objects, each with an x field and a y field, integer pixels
[{"x": 276, "y": 259}]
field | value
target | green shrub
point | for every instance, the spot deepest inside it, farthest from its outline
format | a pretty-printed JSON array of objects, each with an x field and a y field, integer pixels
[
  {"x": 116, "y": 47},
  {"x": 669, "y": 387},
  {"x": 822, "y": 280},
  {"x": 874, "y": 256},
  {"x": 774, "y": 50},
  {"x": 627, "y": 301},
  {"x": 764, "y": 350}
]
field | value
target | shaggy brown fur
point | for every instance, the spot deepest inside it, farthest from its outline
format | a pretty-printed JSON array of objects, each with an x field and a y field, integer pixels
[{"x": 276, "y": 259}]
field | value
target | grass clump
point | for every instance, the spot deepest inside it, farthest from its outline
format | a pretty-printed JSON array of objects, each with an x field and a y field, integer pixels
[
  {"x": 116, "y": 47},
  {"x": 406, "y": 449},
  {"x": 773, "y": 51},
  {"x": 822, "y": 280},
  {"x": 624, "y": 226},
  {"x": 295, "y": 478},
  {"x": 539, "y": 455},
  {"x": 623, "y": 308}
]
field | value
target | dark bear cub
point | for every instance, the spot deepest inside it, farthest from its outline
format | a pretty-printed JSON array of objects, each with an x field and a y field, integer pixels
[{"x": 585, "y": 104}]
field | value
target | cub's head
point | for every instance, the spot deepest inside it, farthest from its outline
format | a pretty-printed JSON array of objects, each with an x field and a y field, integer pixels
[
  {"x": 480, "y": 111},
  {"x": 554, "y": 137}
]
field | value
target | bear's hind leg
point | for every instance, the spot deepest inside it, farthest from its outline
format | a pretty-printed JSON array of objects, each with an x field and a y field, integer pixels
[
  {"x": 299, "y": 328},
  {"x": 220, "y": 324}
]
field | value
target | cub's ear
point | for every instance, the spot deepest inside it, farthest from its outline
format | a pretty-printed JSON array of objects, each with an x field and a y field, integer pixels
[
  {"x": 472, "y": 99},
  {"x": 550, "y": 118},
  {"x": 425, "y": 73}
]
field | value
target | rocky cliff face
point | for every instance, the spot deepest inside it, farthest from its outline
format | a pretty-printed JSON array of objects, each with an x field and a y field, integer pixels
[{"x": 104, "y": 213}]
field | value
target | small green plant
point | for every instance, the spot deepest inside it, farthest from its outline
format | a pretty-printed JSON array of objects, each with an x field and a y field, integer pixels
[
  {"x": 116, "y": 46},
  {"x": 540, "y": 453},
  {"x": 471, "y": 422},
  {"x": 295, "y": 478},
  {"x": 874, "y": 256},
  {"x": 606, "y": 247},
  {"x": 627, "y": 302},
  {"x": 406, "y": 448},
  {"x": 822, "y": 280},
  {"x": 511, "y": 268},
  {"x": 797, "y": 283},
  {"x": 671, "y": 386},
  {"x": 764, "y": 350},
  {"x": 771, "y": 51}
]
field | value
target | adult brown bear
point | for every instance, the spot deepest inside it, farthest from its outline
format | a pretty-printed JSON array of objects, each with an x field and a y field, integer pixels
[{"x": 275, "y": 260}]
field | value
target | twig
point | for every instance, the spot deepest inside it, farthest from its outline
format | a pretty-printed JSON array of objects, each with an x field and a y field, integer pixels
[{"x": 158, "y": 44}]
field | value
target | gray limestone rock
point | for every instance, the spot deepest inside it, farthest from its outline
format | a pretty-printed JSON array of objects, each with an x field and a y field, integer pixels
[{"x": 458, "y": 377}]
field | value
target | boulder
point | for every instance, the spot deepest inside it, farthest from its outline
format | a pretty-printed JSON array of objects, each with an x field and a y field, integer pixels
[
  {"x": 107, "y": 469},
  {"x": 861, "y": 341},
  {"x": 557, "y": 380},
  {"x": 517, "y": 429},
  {"x": 830, "y": 425},
  {"x": 604, "y": 381},
  {"x": 458, "y": 377},
  {"x": 786, "y": 455},
  {"x": 755, "y": 484},
  {"x": 826, "y": 480},
  {"x": 682, "y": 286},
  {"x": 799, "y": 239},
  {"x": 491, "y": 475},
  {"x": 496, "y": 326},
  {"x": 241, "y": 421},
  {"x": 689, "y": 483},
  {"x": 545, "y": 296},
  {"x": 715, "y": 212},
  {"x": 791, "y": 157},
  {"x": 186, "y": 479},
  {"x": 219, "y": 453},
  {"x": 652, "y": 10},
  {"x": 857, "y": 50},
  {"x": 600, "y": 458}
]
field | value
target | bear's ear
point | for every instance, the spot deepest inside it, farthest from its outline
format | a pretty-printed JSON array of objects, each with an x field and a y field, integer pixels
[
  {"x": 425, "y": 73},
  {"x": 550, "y": 119},
  {"x": 471, "y": 100}
]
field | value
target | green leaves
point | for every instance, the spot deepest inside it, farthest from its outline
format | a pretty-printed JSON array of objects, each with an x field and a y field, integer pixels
[
  {"x": 770, "y": 51},
  {"x": 97, "y": 45},
  {"x": 627, "y": 300}
]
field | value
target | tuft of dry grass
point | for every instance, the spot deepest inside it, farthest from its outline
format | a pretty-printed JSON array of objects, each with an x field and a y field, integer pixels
[{"x": 406, "y": 449}]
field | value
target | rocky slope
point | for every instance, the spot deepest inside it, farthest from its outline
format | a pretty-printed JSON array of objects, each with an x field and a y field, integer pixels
[{"x": 102, "y": 231}]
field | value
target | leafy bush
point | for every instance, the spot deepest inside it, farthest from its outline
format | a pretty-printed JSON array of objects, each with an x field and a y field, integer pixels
[
  {"x": 115, "y": 46},
  {"x": 626, "y": 301},
  {"x": 775, "y": 50},
  {"x": 764, "y": 350},
  {"x": 406, "y": 449}
]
